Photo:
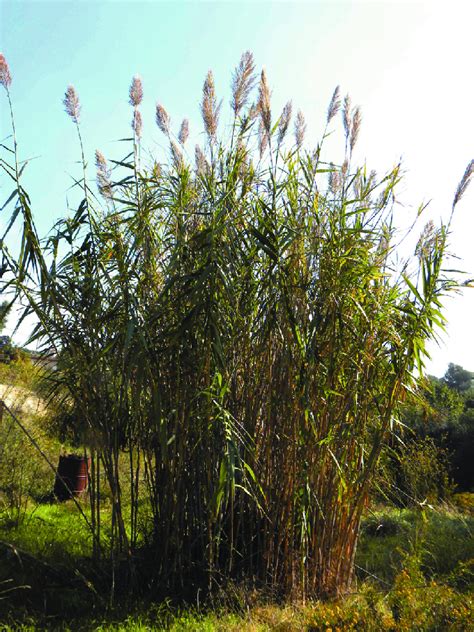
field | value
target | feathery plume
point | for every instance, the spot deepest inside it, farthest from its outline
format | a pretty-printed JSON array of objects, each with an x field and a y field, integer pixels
[
  {"x": 244, "y": 158},
  {"x": 427, "y": 240},
  {"x": 209, "y": 107},
  {"x": 137, "y": 123},
  {"x": 176, "y": 155},
  {"x": 247, "y": 119},
  {"x": 334, "y": 178},
  {"x": 355, "y": 127},
  {"x": 162, "y": 119},
  {"x": 384, "y": 243},
  {"x": 103, "y": 175},
  {"x": 253, "y": 112},
  {"x": 334, "y": 104},
  {"x": 136, "y": 91},
  {"x": 156, "y": 171},
  {"x": 71, "y": 103},
  {"x": 201, "y": 162},
  {"x": 345, "y": 168},
  {"x": 243, "y": 80},
  {"x": 300, "y": 129},
  {"x": 284, "y": 122},
  {"x": 316, "y": 153},
  {"x": 100, "y": 161},
  {"x": 346, "y": 115},
  {"x": 465, "y": 181},
  {"x": 5, "y": 76},
  {"x": 184, "y": 132},
  {"x": 262, "y": 137},
  {"x": 242, "y": 150},
  {"x": 264, "y": 103},
  {"x": 358, "y": 186}
]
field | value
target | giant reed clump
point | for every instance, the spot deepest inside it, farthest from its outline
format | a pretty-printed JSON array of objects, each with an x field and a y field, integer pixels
[{"x": 236, "y": 331}]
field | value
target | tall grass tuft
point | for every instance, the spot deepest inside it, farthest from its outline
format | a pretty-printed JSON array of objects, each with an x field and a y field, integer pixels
[{"x": 239, "y": 332}]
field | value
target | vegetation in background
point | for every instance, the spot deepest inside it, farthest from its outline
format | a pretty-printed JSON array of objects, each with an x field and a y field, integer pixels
[
  {"x": 5, "y": 308},
  {"x": 239, "y": 331},
  {"x": 435, "y": 452},
  {"x": 23, "y": 473},
  {"x": 7, "y": 351},
  {"x": 25, "y": 477},
  {"x": 413, "y": 568}
]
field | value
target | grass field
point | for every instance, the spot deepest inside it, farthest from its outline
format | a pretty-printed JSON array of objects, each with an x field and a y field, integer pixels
[{"x": 415, "y": 571}]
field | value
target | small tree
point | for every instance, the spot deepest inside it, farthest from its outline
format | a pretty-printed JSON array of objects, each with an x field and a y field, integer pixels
[
  {"x": 458, "y": 378},
  {"x": 5, "y": 309}
]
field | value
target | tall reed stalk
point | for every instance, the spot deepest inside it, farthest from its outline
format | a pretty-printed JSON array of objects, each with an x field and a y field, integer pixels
[{"x": 239, "y": 333}]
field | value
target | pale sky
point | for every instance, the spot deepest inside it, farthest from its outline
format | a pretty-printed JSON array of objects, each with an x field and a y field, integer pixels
[{"x": 407, "y": 64}]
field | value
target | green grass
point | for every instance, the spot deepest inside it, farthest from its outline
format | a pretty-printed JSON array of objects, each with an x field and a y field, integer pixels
[
  {"x": 56, "y": 533},
  {"x": 407, "y": 608},
  {"x": 443, "y": 538},
  {"x": 423, "y": 562},
  {"x": 53, "y": 532}
]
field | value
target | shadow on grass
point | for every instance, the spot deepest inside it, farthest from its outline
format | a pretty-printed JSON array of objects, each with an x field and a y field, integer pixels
[{"x": 48, "y": 580}]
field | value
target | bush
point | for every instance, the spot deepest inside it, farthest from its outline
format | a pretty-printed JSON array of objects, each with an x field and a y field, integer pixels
[
  {"x": 418, "y": 604},
  {"x": 385, "y": 524},
  {"x": 417, "y": 471},
  {"x": 464, "y": 502},
  {"x": 24, "y": 475},
  {"x": 423, "y": 472}
]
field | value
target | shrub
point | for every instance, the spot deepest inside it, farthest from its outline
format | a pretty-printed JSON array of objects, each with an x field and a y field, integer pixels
[
  {"x": 23, "y": 473},
  {"x": 421, "y": 605}
]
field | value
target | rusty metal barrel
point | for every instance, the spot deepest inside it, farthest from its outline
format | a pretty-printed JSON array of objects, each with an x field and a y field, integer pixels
[{"x": 72, "y": 476}]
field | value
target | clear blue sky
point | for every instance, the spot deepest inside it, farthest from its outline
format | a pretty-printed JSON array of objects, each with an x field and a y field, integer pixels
[{"x": 408, "y": 64}]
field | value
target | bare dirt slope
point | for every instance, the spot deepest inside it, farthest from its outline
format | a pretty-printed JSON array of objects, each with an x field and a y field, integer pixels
[{"x": 21, "y": 400}]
